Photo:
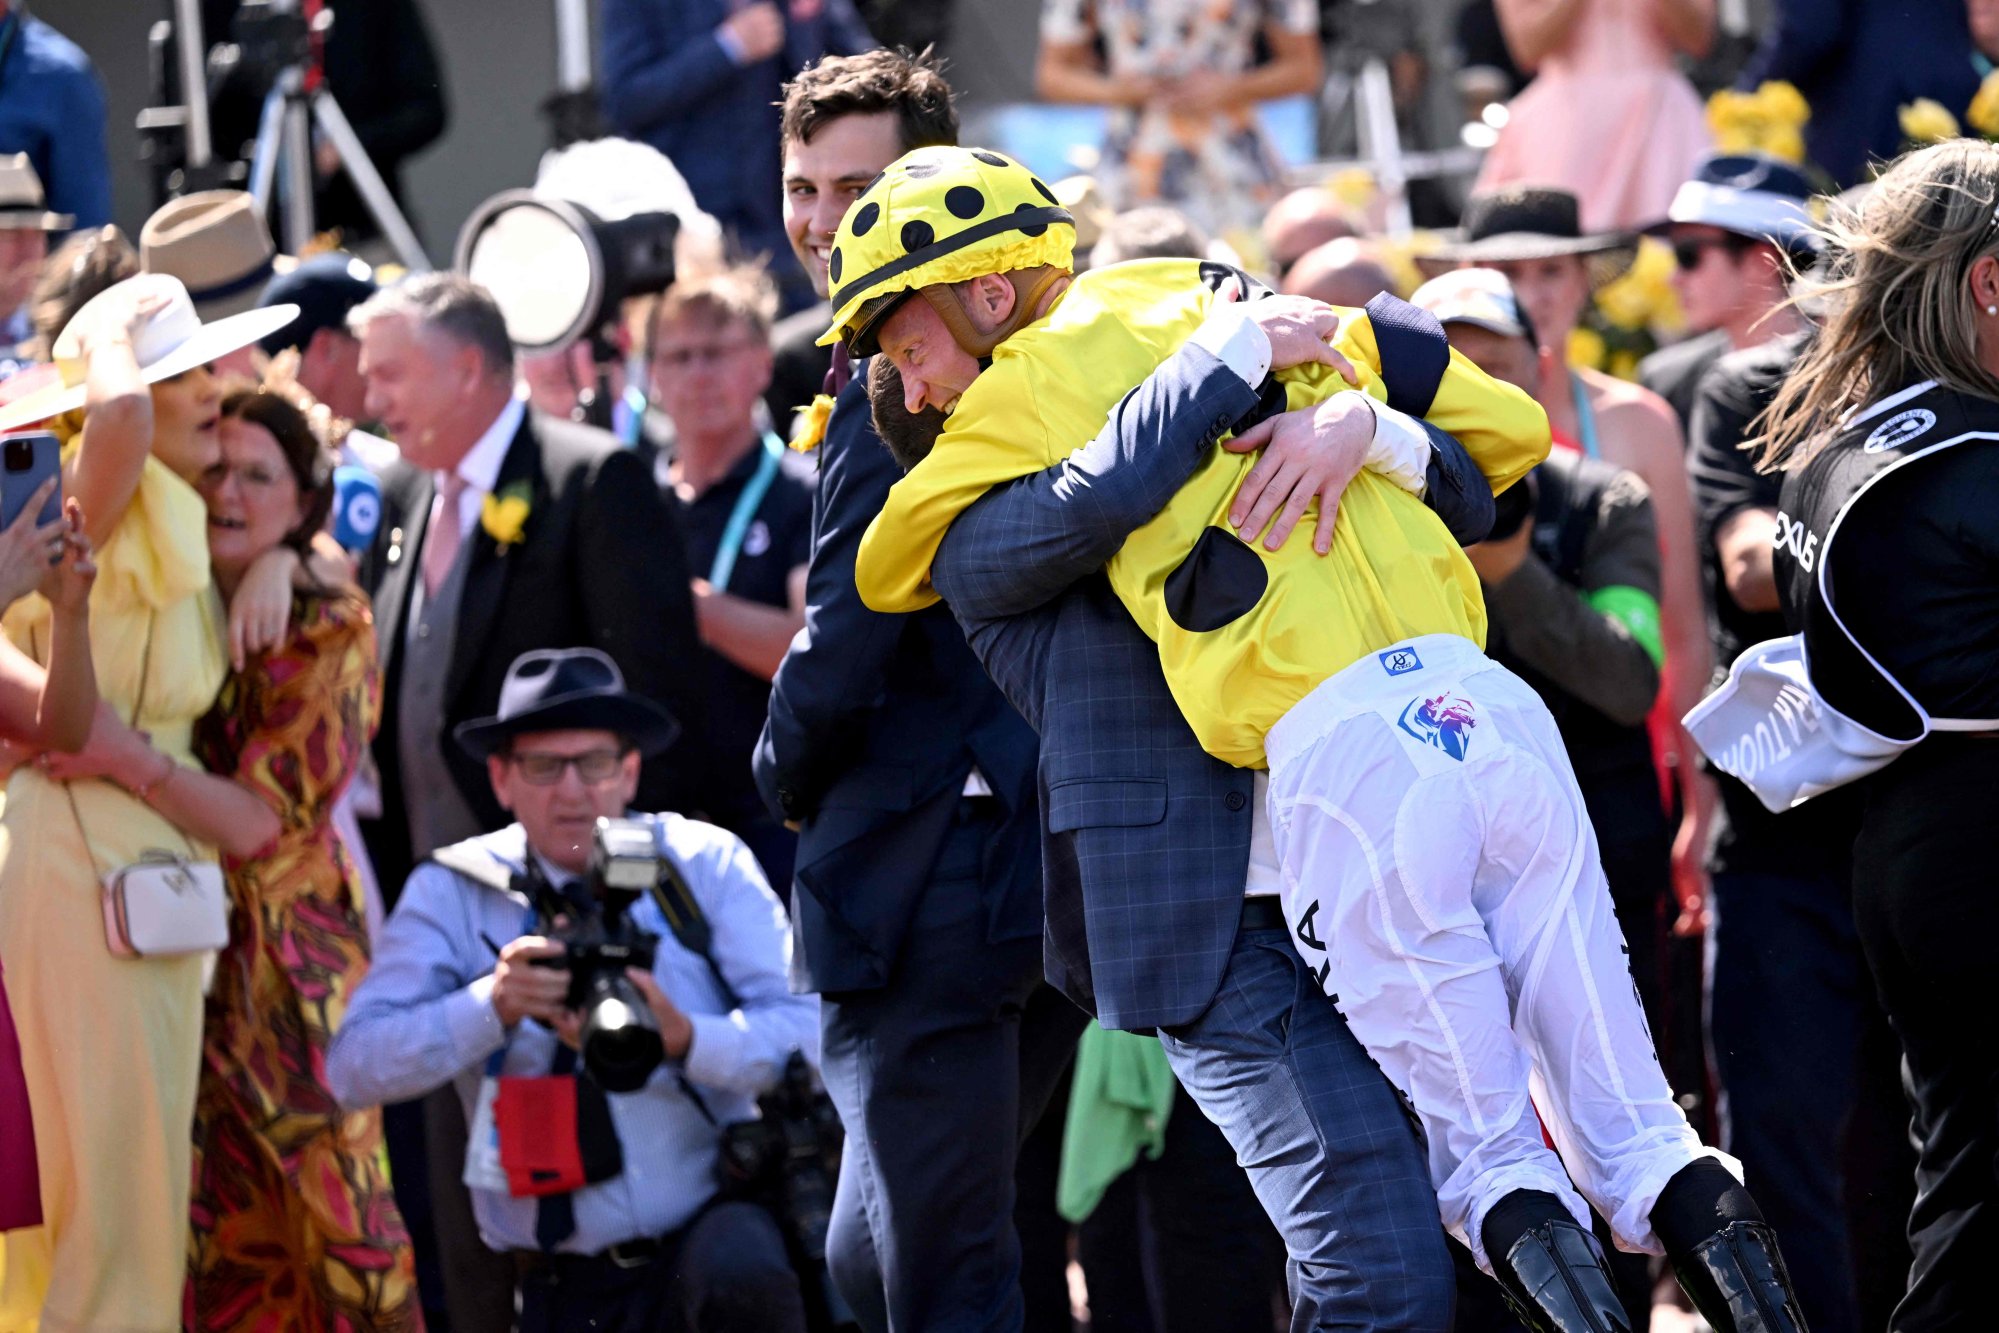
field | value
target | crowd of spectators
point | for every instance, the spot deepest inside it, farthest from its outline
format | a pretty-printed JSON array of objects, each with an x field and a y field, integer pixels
[{"x": 357, "y": 603}]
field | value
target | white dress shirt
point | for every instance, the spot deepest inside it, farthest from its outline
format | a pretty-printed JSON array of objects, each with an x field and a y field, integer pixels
[{"x": 480, "y": 468}]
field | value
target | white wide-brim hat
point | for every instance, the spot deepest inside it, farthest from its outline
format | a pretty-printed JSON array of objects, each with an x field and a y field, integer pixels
[{"x": 173, "y": 342}]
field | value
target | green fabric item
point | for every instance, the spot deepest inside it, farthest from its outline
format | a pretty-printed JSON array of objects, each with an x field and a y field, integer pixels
[
  {"x": 1635, "y": 609},
  {"x": 1119, "y": 1098}
]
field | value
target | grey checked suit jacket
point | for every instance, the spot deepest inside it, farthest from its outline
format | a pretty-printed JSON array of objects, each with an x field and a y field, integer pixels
[{"x": 1145, "y": 836}]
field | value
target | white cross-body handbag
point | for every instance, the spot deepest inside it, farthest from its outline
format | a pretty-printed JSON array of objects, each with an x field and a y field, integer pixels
[{"x": 164, "y": 903}]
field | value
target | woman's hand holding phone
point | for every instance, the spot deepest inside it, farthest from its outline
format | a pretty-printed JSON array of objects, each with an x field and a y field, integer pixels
[{"x": 28, "y": 548}]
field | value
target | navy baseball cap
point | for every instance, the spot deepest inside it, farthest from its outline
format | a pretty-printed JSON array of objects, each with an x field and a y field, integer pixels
[{"x": 324, "y": 288}]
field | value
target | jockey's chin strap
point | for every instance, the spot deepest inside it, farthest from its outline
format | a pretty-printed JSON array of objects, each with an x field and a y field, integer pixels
[{"x": 1030, "y": 285}]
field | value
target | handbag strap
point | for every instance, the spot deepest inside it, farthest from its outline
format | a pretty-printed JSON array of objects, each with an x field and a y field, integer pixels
[{"x": 138, "y": 703}]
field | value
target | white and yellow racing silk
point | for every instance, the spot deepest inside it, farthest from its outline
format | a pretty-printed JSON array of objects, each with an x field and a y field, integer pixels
[{"x": 1243, "y": 633}]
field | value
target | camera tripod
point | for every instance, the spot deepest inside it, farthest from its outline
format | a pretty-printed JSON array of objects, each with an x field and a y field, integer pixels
[
  {"x": 284, "y": 36},
  {"x": 298, "y": 100}
]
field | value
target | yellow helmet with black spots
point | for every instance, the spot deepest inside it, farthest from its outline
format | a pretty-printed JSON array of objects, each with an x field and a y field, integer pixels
[{"x": 939, "y": 215}]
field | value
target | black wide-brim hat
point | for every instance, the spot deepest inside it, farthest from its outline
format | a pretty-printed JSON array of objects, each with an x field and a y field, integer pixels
[
  {"x": 567, "y": 689},
  {"x": 1529, "y": 222}
]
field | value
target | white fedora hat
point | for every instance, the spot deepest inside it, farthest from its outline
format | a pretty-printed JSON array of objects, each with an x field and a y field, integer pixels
[{"x": 170, "y": 343}]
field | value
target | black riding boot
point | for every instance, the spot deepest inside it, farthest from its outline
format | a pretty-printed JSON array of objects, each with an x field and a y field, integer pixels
[
  {"x": 1736, "y": 1279},
  {"x": 1724, "y": 1253},
  {"x": 1551, "y": 1270}
]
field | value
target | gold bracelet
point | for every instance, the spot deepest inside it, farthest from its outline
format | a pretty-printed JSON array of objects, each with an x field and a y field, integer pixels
[{"x": 144, "y": 791}]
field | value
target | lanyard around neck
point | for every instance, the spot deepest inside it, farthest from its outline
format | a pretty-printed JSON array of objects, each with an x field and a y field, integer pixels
[
  {"x": 1585, "y": 417},
  {"x": 747, "y": 503}
]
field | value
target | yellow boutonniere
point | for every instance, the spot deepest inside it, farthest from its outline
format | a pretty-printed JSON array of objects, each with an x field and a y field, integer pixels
[
  {"x": 809, "y": 427},
  {"x": 505, "y": 515},
  {"x": 1927, "y": 121},
  {"x": 1983, "y": 113}
]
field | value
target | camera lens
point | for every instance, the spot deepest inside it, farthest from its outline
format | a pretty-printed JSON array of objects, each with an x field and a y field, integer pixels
[
  {"x": 621, "y": 1044},
  {"x": 20, "y": 455}
]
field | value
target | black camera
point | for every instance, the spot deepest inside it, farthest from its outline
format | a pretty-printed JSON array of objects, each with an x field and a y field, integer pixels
[
  {"x": 788, "y": 1160},
  {"x": 621, "y": 1042}
]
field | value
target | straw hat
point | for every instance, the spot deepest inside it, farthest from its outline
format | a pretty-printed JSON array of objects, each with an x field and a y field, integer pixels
[
  {"x": 216, "y": 243},
  {"x": 175, "y": 340},
  {"x": 1529, "y": 222},
  {"x": 23, "y": 207}
]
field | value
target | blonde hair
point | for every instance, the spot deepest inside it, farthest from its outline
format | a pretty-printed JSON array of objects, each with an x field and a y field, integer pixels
[
  {"x": 736, "y": 296},
  {"x": 1898, "y": 308}
]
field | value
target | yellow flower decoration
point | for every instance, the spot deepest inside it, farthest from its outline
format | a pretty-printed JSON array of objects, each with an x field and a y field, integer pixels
[
  {"x": 504, "y": 516},
  {"x": 1398, "y": 255},
  {"x": 809, "y": 426},
  {"x": 1983, "y": 113},
  {"x": 1770, "y": 120},
  {"x": 1927, "y": 121},
  {"x": 1642, "y": 296},
  {"x": 1587, "y": 349},
  {"x": 1354, "y": 187},
  {"x": 1784, "y": 103}
]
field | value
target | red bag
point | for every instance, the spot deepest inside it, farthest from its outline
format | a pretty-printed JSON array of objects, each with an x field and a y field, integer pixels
[
  {"x": 555, "y": 1133},
  {"x": 20, "y": 1177}
]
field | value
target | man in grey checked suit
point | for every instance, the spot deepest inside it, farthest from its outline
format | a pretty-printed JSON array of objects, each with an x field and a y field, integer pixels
[{"x": 1154, "y": 915}]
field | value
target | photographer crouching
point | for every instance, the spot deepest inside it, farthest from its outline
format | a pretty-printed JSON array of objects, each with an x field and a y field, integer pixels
[{"x": 608, "y": 994}]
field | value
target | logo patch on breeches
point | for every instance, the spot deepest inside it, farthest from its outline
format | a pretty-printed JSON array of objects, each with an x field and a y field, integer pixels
[
  {"x": 1400, "y": 661},
  {"x": 1444, "y": 722}
]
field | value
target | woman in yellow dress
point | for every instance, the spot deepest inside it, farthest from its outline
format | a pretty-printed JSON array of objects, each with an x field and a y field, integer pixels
[{"x": 110, "y": 1046}]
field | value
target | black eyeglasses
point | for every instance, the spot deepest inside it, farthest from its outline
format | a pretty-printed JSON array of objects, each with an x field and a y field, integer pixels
[
  {"x": 545, "y": 770},
  {"x": 1687, "y": 250}
]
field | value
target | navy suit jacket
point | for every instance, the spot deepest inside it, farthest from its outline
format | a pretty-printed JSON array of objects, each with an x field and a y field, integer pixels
[
  {"x": 668, "y": 82},
  {"x": 601, "y": 565},
  {"x": 1857, "y": 62},
  {"x": 1146, "y": 837},
  {"x": 875, "y": 723}
]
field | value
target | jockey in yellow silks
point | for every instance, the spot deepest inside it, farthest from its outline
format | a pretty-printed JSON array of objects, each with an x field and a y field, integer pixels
[{"x": 1243, "y": 632}]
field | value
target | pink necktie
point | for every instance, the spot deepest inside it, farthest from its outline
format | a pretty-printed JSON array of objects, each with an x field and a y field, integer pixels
[{"x": 441, "y": 540}]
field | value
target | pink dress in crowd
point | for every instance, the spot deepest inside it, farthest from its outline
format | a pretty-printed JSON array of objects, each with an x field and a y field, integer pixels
[{"x": 1608, "y": 117}]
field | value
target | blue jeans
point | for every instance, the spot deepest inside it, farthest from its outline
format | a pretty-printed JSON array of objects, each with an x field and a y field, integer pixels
[
  {"x": 1788, "y": 992},
  {"x": 1332, "y": 1155}
]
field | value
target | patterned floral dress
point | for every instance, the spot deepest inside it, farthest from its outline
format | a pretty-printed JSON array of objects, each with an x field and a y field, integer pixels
[
  {"x": 1219, "y": 170},
  {"x": 294, "y": 1225}
]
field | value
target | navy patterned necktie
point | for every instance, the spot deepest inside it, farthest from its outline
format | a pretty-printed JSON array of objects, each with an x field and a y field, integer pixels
[{"x": 555, "y": 1214}]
